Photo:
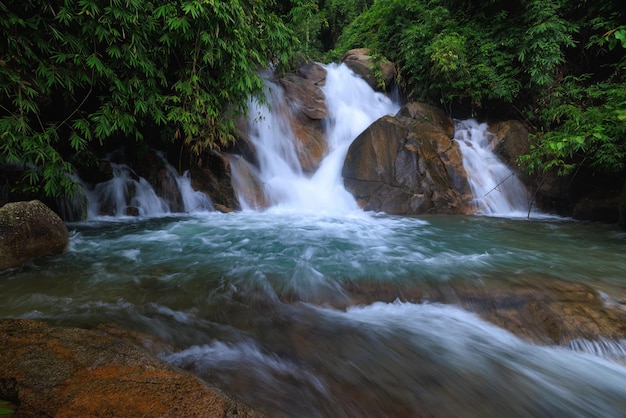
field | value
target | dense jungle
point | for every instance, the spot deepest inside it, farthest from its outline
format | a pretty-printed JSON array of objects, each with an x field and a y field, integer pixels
[{"x": 312, "y": 208}]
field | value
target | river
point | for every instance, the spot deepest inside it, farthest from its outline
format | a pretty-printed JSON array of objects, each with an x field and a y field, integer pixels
[{"x": 268, "y": 304}]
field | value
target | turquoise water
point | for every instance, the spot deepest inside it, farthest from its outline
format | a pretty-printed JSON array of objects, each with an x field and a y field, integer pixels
[{"x": 247, "y": 301}]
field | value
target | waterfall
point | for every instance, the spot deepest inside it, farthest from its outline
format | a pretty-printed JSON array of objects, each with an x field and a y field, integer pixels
[
  {"x": 127, "y": 194},
  {"x": 352, "y": 105},
  {"x": 497, "y": 190}
]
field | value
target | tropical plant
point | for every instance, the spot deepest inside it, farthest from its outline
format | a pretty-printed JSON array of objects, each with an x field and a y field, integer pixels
[
  {"x": 554, "y": 64},
  {"x": 80, "y": 71}
]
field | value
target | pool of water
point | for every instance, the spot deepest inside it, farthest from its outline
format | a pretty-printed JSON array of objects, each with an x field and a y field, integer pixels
[{"x": 249, "y": 301}]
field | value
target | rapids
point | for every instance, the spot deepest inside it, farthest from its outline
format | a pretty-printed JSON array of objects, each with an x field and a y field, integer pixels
[{"x": 268, "y": 304}]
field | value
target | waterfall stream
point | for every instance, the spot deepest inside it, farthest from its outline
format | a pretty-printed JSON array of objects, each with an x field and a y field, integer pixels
[
  {"x": 352, "y": 105},
  {"x": 313, "y": 308},
  {"x": 127, "y": 194},
  {"x": 497, "y": 190}
]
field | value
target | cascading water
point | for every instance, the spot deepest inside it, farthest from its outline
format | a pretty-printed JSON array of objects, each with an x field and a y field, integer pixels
[
  {"x": 352, "y": 105},
  {"x": 496, "y": 188},
  {"x": 127, "y": 194}
]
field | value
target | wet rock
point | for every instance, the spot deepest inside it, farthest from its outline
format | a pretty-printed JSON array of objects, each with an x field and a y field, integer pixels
[
  {"x": 70, "y": 372},
  {"x": 166, "y": 187},
  {"x": 29, "y": 230},
  {"x": 213, "y": 176},
  {"x": 511, "y": 141},
  {"x": 306, "y": 111},
  {"x": 408, "y": 164},
  {"x": 379, "y": 73},
  {"x": 313, "y": 72},
  {"x": 307, "y": 96},
  {"x": 543, "y": 310},
  {"x": 152, "y": 166},
  {"x": 246, "y": 182},
  {"x": 597, "y": 208}
]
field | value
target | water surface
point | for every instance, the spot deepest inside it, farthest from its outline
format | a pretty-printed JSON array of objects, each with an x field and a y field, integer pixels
[{"x": 246, "y": 301}]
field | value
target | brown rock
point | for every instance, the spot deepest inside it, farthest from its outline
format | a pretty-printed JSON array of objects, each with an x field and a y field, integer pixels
[
  {"x": 213, "y": 176},
  {"x": 511, "y": 141},
  {"x": 361, "y": 62},
  {"x": 308, "y": 97},
  {"x": 408, "y": 164},
  {"x": 313, "y": 72},
  {"x": 245, "y": 181},
  {"x": 69, "y": 372},
  {"x": 306, "y": 111},
  {"x": 29, "y": 230},
  {"x": 433, "y": 116},
  {"x": 543, "y": 310}
]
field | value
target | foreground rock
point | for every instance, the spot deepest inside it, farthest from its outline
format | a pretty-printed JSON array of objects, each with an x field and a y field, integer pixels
[
  {"x": 29, "y": 230},
  {"x": 543, "y": 310},
  {"x": 408, "y": 165},
  {"x": 67, "y": 372}
]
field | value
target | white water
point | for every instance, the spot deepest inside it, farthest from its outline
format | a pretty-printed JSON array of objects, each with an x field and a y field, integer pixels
[
  {"x": 352, "y": 105},
  {"x": 497, "y": 190},
  {"x": 127, "y": 191}
]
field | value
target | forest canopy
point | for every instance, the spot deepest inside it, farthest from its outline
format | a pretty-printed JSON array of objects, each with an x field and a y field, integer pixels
[{"x": 74, "y": 73}]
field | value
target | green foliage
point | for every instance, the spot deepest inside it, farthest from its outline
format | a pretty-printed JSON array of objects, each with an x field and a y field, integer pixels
[
  {"x": 79, "y": 71},
  {"x": 555, "y": 63},
  {"x": 441, "y": 53},
  {"x": 543, "y": 46},
  {"x": 590, "y": 129},
  {"x": 4, "y": 410},
  {"x": 340, "y": 13},
  {"x": 307, "y": 21}
]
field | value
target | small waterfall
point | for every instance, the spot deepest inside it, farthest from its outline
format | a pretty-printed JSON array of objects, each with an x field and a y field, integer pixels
[
  {"x": 352, "y": 105},
  {"x": 496, "y": 188},
  {"x": 193, "y": 200},
  {"x": 127, "y": 194}
]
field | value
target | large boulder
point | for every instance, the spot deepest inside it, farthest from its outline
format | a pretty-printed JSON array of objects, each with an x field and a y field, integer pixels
[
  {"x": 69, "y": 372},
  {"x": 380, "y": 73},
  {"x": 29, "y": 230},
  {"x": 408, "y": 164}
]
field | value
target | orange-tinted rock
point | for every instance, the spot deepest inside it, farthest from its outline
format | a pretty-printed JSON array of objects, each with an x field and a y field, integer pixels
[{"x": 69, "y": 372}]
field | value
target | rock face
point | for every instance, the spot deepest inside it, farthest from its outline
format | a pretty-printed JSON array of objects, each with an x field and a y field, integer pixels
[
  {"x": 408, "y": 164},
  {"x": 29, "y": 230},
  {"x": 213, "y": 176},
  {"x": 361, "y": 62},
  {"x": 68, "y": 372},
  {"x": 511, "y": 141},
  {"x": 306, "y": 110}
]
